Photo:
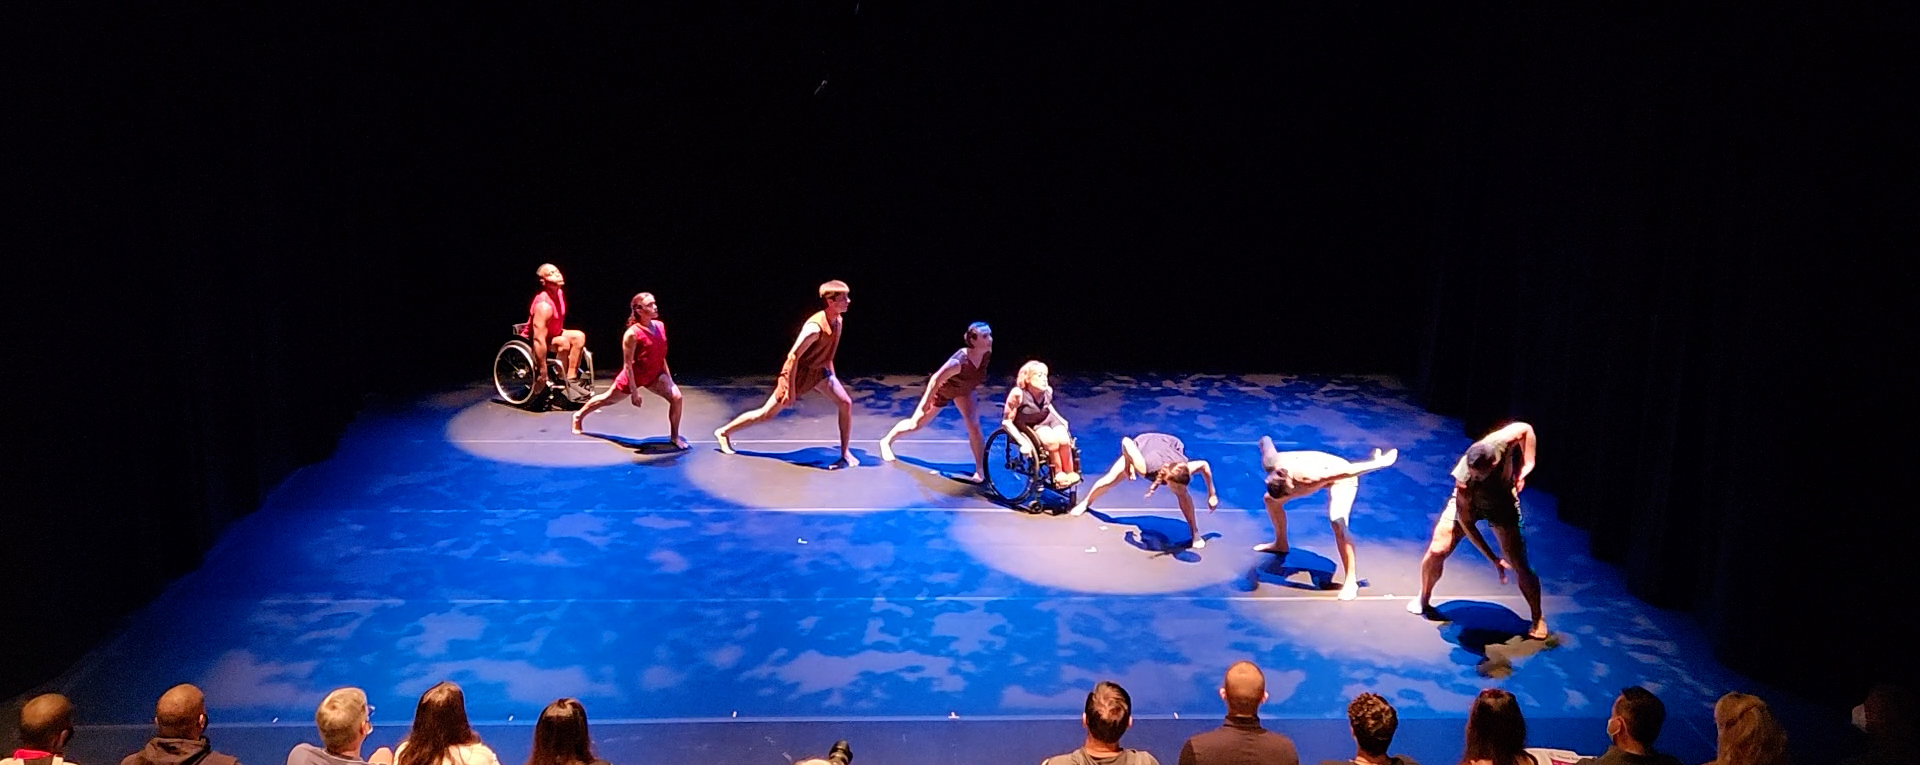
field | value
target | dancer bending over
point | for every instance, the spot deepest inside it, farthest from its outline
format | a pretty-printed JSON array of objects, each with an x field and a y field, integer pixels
[
  {"x": 809, "y": 366},
  {"x": 643, "y": 351},
  {"x": 546, "y": 331},
  {"x": 1162, "y": 458},
  {"x": 1030, "y": 406},
  {"x": 1486, "y": 487},
  {"x": 953, "y": 383},
  {"x": 1292, "y": 475}
]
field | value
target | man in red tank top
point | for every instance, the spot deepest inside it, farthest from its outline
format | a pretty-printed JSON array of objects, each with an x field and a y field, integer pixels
[
  {"x": 809, "y": 366},
  {"x": 546, "y": 328},
  {"x": 643, "y": 351}
]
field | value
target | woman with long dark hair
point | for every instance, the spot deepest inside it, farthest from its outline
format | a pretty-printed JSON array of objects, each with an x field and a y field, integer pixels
[
  {"x": 561, "y": 738},
  {"x": 440, "y": 734},
  {"x": 1496, "y": 731}
]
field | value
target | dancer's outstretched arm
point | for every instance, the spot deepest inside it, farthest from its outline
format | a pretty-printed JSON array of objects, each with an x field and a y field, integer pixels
[{"x": 1206, "y": 474}]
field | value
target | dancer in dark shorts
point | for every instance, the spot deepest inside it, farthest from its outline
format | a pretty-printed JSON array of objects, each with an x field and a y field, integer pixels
[
  {"x": 643, "y": 351},
  {"x": 1486, "y": 487},
  {"x": 1292, "y": 475},
  {"x": 1163, "y": 459},
  {"x": 809, "y": 366},
  {"x": 954, "y": 382}
]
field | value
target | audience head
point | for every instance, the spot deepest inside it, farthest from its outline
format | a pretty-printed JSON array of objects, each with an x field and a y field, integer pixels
[
  {"x": 1748, "y": 734},
  {"x": 343, "y": 720},
  {"x": 1109, "y": 712},
  {"x": 1888, "y": 713},
  {"x": 1496, "y": 731},
  {"x": 181, "y": 713},
  {"x": 439, "y": 724},
  {"x": 978, "y": 333},
  {"x": 1032, "y": 374},
  {"x": 1244, "y": 689},
  {"x": 1374, "y": 722},
  {"x": 46, "y": 723},
  {"x": 561, "y": 738},
  {"x": 1637, "y": 717}
]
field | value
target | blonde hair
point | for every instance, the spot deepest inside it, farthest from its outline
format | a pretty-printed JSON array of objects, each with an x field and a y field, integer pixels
[
  {"x": 339, "y": 718},
  {"x": 1748, "y": 734},
  {"x": 1028, "y": 371},
  {"x": 834, "y": 288}
]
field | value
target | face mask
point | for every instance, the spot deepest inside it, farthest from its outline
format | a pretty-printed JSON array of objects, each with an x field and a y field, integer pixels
[{"x": 1860, "y": 717}]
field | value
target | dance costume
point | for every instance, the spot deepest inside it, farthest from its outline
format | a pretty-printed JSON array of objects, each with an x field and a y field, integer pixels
[{"x": 806, "y": 371}]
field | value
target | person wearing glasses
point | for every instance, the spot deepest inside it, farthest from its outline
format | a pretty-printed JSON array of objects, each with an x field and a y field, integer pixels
[
  {"x": 953, "y": 383},
  {"x": 643, "y": 352}
]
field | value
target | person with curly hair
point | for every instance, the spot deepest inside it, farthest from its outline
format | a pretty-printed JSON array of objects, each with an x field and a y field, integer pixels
[{"x": 1746, "y": 733}]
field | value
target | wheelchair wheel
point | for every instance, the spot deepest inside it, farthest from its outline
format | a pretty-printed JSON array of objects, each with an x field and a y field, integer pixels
[
  {"x": 513, "y": 372},
  {"x": 1011, "y": 476}
]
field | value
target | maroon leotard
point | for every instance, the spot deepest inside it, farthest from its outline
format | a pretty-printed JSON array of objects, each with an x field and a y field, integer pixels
[
  {"x": 810, "y": 368},
  {"x": 649, "y": 357},
  {"x": 963, "y": 381}
]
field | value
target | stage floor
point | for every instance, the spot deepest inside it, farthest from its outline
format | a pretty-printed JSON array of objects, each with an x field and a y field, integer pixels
[{"x": 697, "y": 601}]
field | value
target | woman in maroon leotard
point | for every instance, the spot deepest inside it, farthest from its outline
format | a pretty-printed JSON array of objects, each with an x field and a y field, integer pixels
[{"x": 954, "y": 382}]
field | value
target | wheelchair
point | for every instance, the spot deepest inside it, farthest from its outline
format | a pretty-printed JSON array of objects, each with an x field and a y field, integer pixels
[
  {"x": 513, "y": 374},
  {"x": 1026, "y": 483}
]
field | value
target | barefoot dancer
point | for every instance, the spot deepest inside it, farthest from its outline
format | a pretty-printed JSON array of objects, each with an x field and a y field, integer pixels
[
  {"x": 1486, "y": 487},
  {"x": 546, "y": 331},
  {"x": 1030, "y": 404},
  {"x": 1164, "y": 459},
  {"x": 809, "y": 366},
  {"x": 643, "y": 351},
  {"x": 953, "y": 382},
  {"x": 1292, "y": 475}
]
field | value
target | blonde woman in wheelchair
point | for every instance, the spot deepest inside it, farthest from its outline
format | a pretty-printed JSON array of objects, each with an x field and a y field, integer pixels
[{"x": 1030, "y": 409}]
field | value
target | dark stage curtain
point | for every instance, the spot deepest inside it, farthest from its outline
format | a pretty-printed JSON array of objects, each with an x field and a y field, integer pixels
[{"x": 1667, "y": 242}]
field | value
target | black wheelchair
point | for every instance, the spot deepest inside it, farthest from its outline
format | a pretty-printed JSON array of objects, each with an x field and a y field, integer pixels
[
  {"x": 1023, "y": 482},
  {"x": 513, "y": 375}
]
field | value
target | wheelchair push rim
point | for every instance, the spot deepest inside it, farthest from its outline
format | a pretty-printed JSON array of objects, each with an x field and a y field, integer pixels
[{"x": 513, "y": 373}]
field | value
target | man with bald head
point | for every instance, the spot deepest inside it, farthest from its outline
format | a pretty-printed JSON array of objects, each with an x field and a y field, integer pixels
[
  {"x": 546, "y": 331},
  {"x": 180, "y": 732},
  {"x": 1241, "y": 741},
  {"x": 46, "y": 725}
]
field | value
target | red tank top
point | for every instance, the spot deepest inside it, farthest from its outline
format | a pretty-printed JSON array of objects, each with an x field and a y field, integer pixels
[
  {"x": 556, "y": 320},
  {"x": 649, "y": 350}
]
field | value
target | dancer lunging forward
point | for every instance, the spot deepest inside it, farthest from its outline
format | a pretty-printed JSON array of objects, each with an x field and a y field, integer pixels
[
  {"x": 1162, "y": 458},
  {"x": 643, "y": 351},
  {"x": 954, "y": 383},
  {"x": 1486, "y": 487},
  {"x": 1292, "y": 475},
  {"x": 809, "y": 366}
]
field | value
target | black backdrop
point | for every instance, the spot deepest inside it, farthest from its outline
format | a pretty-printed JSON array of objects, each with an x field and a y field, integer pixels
[{"x": 1672, "y": 239}]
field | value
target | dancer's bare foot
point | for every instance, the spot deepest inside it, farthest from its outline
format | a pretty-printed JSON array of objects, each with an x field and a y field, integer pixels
[
  {"x": 726, "y": 445},
  {"x": 1079, "y": 508},
  {"x": 1199, "y": 542},
  {"x": 846, "y": 461},
  {"x": 680, "y": 442},
  {"x": 576, "y": 424},
  {"x": 1065, "y": 479},
  {"x": 1351, "y": 589},
  {"x": 1277, "y": 548},
  {"x": 886, "y": 449},
  {"x": 1539, "y": 631},
  {"x": 1425, "y": 610}
]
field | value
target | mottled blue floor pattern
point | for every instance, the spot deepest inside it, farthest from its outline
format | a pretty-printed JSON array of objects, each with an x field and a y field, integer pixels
[{"x": 455, "y": 537}]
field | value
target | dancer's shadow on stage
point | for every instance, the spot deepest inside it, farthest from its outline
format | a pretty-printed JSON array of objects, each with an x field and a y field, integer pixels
[
  {"x": 1488, "y": 636},
  {"x": 651, "y": 451},
  {"x": 958, "y": 475},
  {"x": 816, "y": 457},
  {"x": 1281, "y": 570},
  {"x": 1157, "y": 535}
]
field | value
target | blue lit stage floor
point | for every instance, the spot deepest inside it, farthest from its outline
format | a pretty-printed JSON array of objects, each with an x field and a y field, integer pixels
[{"x": 686, "y": 597}]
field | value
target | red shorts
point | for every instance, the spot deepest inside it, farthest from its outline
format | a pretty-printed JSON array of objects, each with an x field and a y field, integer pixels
[{"x": 625, "y": 383}]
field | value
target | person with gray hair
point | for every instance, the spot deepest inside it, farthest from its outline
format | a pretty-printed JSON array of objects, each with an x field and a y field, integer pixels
[
  {"x": 180, "y": 723},
  {"x": 46, "y": 726},
  {"x": 345, "y": 719}
]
